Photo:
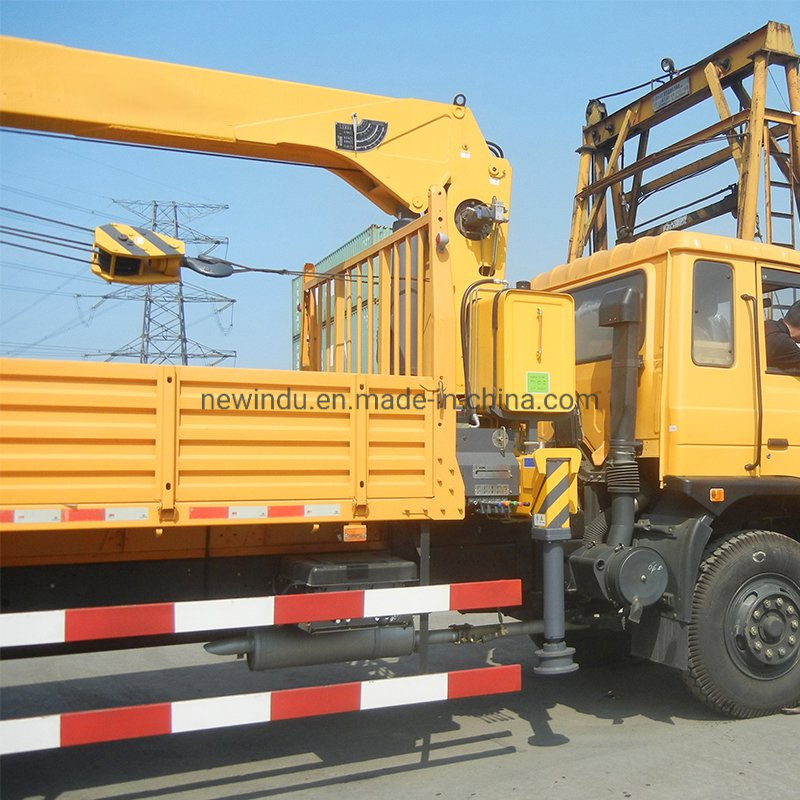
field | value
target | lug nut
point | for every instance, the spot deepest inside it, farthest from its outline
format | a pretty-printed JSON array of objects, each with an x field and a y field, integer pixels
[
  {"x": 792, "y": 640},
  {"x": 779, "y": 602},
  {"x": 757, "y": 645},
  {"x": 781, "y": 651},
  {"x": 756, "y": 614},
  {"x": 768, "y": 652},
  {"x": 790, "y": 609},
  {"x": 795, "y": 624},
  {"x": 753, "y": 630},
  {"x": 768, "y": 604}
]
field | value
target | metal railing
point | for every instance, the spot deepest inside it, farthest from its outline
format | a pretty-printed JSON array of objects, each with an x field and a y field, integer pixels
[{"x": 370, "y": 315}]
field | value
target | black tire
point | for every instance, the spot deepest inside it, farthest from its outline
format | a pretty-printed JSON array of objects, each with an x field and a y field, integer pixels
[{"x": 744, "y": 634}]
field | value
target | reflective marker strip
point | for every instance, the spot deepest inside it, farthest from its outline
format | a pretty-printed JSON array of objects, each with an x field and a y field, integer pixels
[
  {"x": 323, "y": 510},
  {"x": 127, "y": 514},
  {"x": 315, "y": 607},
  {"x": 247, "y": 512},
  {"x": 261, "y": 512},
  {"x": 48, "y": 516},
  {"x": 26, "y": 735},
  {"x": 485, "y": 594},
  {"x": 86, "y": 624},
  {"x": 213, "y": 615},
  {"x": 403, "y": 691},
  {"x": 413, "y": 600},
  {"x": 315, "y": 701},
  {"x": 35, "y": 627},
  {"x": 208, "y": 512},
  {"x": 37, "y": 516},
  {"x": 220, "y": 712},
  {"x": 286, "y": 511},
  {"x": 115, "y": 622},
  {"x": 111, "y": 724}
]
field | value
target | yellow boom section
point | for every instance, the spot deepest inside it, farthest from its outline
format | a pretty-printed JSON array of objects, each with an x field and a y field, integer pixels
[
  {"x": 391, "y": 150},
  {"x": 402, "y": 146}
]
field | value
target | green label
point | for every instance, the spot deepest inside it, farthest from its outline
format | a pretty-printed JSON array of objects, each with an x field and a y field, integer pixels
[{"x": 538, "y": 382}]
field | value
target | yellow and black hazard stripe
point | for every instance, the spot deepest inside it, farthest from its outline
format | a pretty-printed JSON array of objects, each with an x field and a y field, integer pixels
[
  {"x": 551, "y": 507},
  {"x": 128, "y": 254},
  {"x": 120, "y": 239}
]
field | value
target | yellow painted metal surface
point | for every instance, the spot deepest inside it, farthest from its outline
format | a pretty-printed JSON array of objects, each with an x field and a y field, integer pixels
[
  {"x": 697, "y": 420},
  {"x": 524, "y": 350},
  {"x": 404, "y": 146},
  {"x": 116, "y": 461},
  {"x": 81, "y": 432},
  {"x": 549, "y": 496},
  {"x": 127, "y": 254},
  {"x": 754, "y": 135},
  {"x": 170, "y": 440}
]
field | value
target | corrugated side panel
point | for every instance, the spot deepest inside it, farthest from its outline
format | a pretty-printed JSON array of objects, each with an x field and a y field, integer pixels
[
  {"x": 79, "y": 432},
  {"x": 290, "y": 438},
  {"x": 400, "y": 455}
]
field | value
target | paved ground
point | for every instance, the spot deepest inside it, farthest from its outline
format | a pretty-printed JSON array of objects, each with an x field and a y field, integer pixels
[{"x": 632, "y": 731}]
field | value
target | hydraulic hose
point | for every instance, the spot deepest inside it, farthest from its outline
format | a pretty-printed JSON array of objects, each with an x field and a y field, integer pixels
[{"x": 471, "y": 415}]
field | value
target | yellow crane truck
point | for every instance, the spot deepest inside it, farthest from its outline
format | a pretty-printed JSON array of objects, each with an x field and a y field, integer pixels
[{"x": 603, "y": 450}]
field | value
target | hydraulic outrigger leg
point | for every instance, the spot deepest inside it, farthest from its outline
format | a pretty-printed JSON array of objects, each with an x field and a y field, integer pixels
[{"x": 555, "y": 658}]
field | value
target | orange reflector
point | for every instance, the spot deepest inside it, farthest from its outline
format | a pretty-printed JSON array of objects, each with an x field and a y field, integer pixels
[
  {"x": 355, "y": 533},
  {"x": 716, "y": 495}
]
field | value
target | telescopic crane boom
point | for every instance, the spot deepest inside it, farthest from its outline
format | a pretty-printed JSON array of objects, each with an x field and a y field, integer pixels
[{"x": 390, "y": 150}]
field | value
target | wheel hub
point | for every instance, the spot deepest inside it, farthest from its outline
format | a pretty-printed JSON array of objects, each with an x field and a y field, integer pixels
[{"x": 763, "y": 630}]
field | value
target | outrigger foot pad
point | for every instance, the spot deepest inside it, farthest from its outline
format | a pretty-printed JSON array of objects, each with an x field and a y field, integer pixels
[{"x": 555, "y": 658}]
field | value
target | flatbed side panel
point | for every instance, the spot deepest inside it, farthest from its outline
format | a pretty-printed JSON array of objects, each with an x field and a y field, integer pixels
[
  {"x": 80, "y": 433},
  {"x": 264, "y": 435},
  {"x": 117, "y": 447},
  {"x": 400, "y": 438}
]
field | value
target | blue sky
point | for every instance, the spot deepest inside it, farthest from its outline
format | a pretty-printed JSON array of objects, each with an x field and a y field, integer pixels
[{"x": 526, "y": 68}]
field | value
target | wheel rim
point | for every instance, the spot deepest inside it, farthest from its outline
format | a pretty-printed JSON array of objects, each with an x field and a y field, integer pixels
[{"x": 762, "y": 627}]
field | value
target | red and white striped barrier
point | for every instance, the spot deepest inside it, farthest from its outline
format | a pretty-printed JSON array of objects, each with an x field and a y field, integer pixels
[
  {"x": 114, "y": 622},
  {"x": 111, "y": 724}
]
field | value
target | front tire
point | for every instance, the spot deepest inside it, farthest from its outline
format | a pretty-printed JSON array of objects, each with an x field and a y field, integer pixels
[{"x": 744, "y": 634}]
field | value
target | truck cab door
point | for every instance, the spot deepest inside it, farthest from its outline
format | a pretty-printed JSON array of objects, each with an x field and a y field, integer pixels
[
  {"x": 780, "y": 391},
  {"x": 709, "y": 423}
]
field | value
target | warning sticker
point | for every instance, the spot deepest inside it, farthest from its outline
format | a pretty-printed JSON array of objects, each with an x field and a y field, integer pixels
[{"x": 538, "y": 382}]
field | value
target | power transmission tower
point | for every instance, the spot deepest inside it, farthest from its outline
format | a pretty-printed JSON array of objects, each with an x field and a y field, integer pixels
[{"x": 163, "y": 339}]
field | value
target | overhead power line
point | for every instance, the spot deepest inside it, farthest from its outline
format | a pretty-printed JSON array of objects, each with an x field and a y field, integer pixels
[
  {"x": 41, "y": 238},
  {"x": 46, "y": 219},
  {"x": 163, "y": 339},
  {"x": 52, "y": 237},
  {"x": 46, "y": 252}
]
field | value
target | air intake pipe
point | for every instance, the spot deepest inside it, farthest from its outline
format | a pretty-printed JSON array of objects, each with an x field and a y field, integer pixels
[
  {"x": 636, "y": 577},
  {"x": 621, "y": 309}
]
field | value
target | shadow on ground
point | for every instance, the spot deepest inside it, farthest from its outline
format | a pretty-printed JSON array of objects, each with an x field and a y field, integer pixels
[{"x": 298, "y": 755}]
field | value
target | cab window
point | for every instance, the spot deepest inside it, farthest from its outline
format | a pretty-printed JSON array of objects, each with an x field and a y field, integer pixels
[
  {"x": 712, "y": 314},
  {"x": 780, "y": 290},
  {"x": 592, "y": 342}
]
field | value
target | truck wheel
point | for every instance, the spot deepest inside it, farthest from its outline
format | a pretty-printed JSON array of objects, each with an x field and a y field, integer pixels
[{"x": 744, "y": 634}]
